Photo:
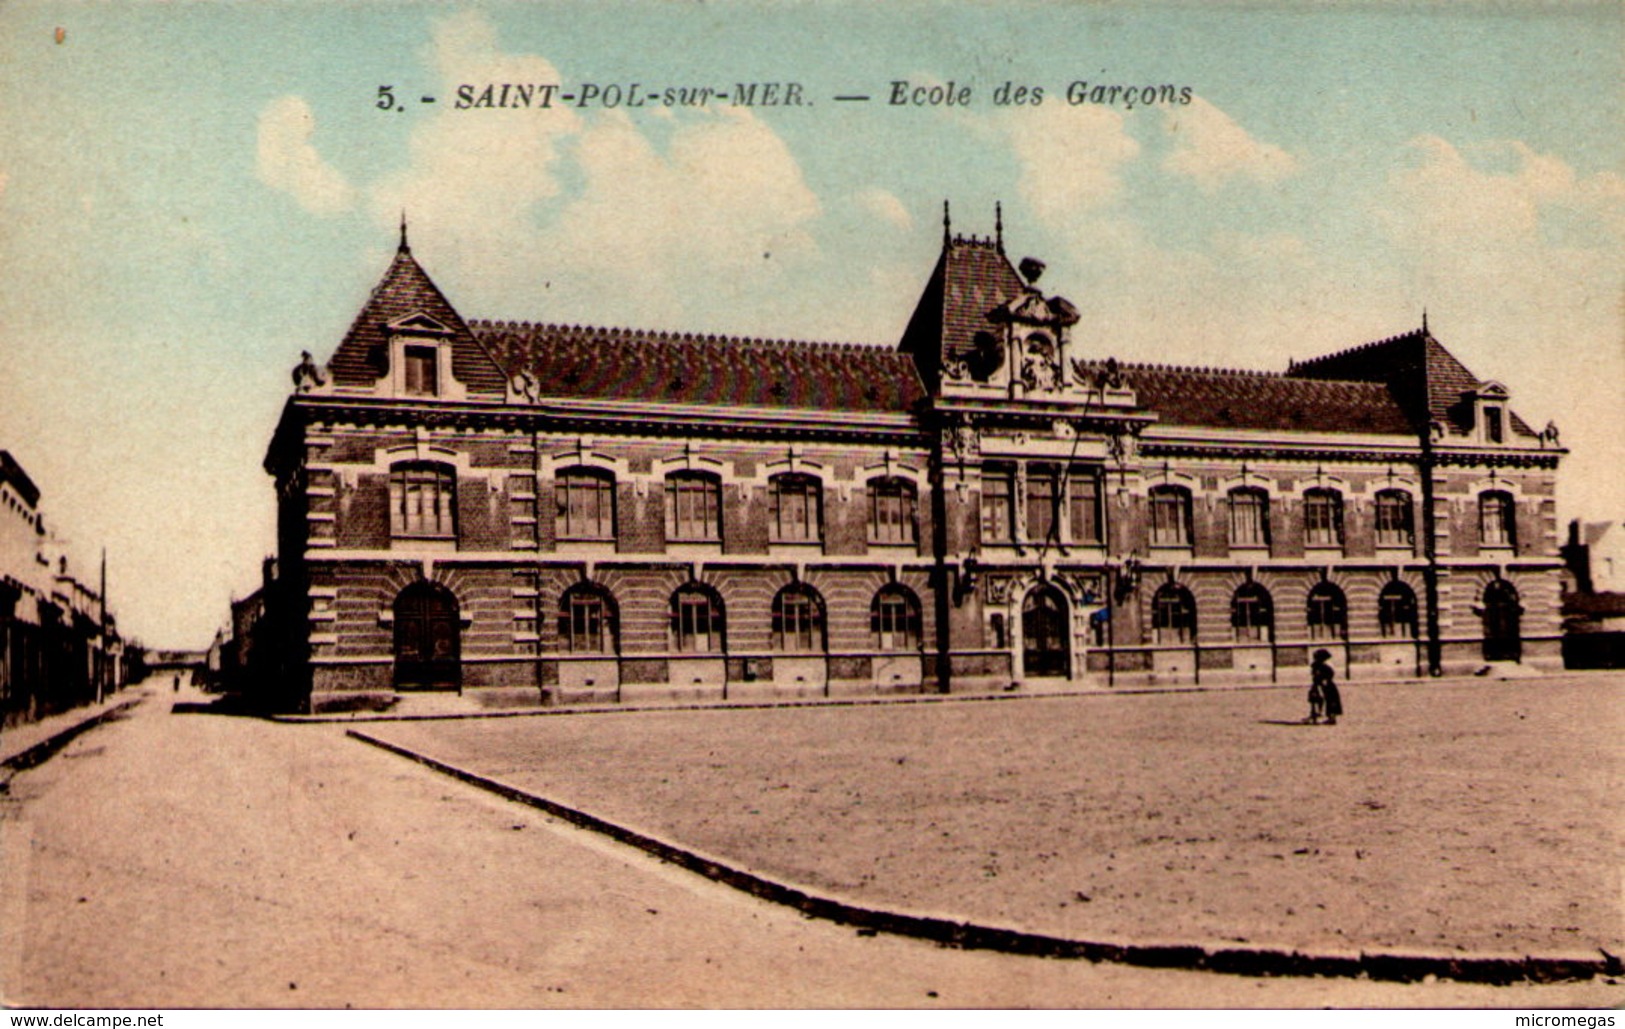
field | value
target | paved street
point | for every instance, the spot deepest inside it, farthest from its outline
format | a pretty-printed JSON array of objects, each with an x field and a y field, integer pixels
[{"x": 166, "y": 860}]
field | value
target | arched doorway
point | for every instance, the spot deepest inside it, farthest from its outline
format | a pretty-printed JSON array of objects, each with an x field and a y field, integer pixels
[
  {"x": 1045, "y": 635},
  {"x": 1502, "y": 638},
  {"x": 428, "y": 638}
]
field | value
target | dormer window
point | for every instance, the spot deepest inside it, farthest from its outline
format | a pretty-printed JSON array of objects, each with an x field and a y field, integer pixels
[
  {"x": 422, "y": 371},
  {"x": 1493, "y": 432}
]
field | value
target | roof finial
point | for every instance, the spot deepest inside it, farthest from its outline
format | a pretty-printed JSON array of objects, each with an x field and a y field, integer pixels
[
  {"x": 404, "y": 248},
  {"x": 947, "y": 226},
  {"x": 998, "y": 225},
  {"x": 1424, "y": 321}
]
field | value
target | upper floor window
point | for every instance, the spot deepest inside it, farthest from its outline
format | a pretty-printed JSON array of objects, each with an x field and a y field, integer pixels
[
  {"x": 1083, "y": 503},
  {"x": 998, "y": 504},
  {"x": 1493, "y": 428},
  {"x": 1497, "y": 525},
  {"x": 587, "y": 623},
  {"x": 693, "y": 506},
  {"x": 894, "y": 619},
  {"x": 1043, "y": 494},
  {"x": 1252, "y": 613},
  {"x": 422, "y": 371},
  {"x": 1249, "y": 517},
  {"x": 891, "y": 511},
  {"x": 585, "y": 503},
  {"x": 1328, "y": 612},
  {"x": 1323, "y": 518},
  {"x": 798, "y": 619},
  {"x": 795, "y": 508},
  {"x": 1173, "y": 614},
  {"x": 423, "y": 500},
  {"x": 1170, "y": 516},
  {"x": 696, "y": 620},
  {"x": 1396, "y": 610},
  {"x": 1394, "y": 525}
]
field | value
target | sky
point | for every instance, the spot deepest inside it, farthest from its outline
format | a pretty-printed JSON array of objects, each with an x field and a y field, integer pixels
[{"x": 192, "y": 194}]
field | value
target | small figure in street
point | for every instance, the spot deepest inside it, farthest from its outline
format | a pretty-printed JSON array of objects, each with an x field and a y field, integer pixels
[
  {"x": 177, "y": 686},
  {"x": 1323, "y": 679},
  {"x": 1317, "y": 702}
]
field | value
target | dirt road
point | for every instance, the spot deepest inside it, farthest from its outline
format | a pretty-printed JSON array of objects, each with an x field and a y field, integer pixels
[{"x": 167, "y": 860}]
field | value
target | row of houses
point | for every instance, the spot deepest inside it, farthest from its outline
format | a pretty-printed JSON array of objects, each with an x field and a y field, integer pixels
[
  {"x": 535, "y": 512},
  {"x": 59, "y": 644}
]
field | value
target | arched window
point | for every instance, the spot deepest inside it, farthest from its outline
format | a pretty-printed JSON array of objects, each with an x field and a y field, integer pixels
[
  {"x": 798, "y": 619},
  {"x": 892, "y": 516},
  {"x": 1395, "y": 527},
  {"x": 1252, "y": 613},
  {"x": 795, "y": 508},
  {"x": 1170, "y": 516},
  {"x": 1173, "y": 614},
  {"x": 1249, "y": 517},
  {"x": 1323, "y": 518},
  {"x": 696, "y": 620},
  {"x": 1396, "y": 610},
  {"x": 585, "y": 500},
  {"x": 423, "y": 500},
  {"x": 1497, "y": 519},
  {"x": 894, "y": 618},
  {"x": 693, "y": 507},
  {"x": 1328, "y": 612},
  {"x": 587, "y": 620}
]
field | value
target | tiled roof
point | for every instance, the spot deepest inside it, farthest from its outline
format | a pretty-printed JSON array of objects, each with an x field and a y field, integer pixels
[
  {"x": 972, "y": 279},
  {"x": 628, "y": 364},
  {"x": 12, "y": 472},
  {"x": 1425, "y": 377},
  {"x": 1228, "y": 398},
  {"x": 406, "y": 289}
]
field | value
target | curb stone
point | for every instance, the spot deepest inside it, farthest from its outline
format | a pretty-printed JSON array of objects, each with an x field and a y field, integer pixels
[
  {"x": 966, "y": 935},
  {"x": 39, "y": 752}
]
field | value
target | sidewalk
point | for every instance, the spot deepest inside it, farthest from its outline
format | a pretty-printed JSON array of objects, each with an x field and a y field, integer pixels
[{"x": 23, "y": 746}]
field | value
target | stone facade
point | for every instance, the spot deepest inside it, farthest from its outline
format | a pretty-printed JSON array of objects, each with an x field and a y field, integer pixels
[{"x": 543, "y": 513}]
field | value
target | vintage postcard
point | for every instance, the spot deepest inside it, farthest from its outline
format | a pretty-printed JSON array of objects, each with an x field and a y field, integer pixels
[{"x": 531, "y": 505}]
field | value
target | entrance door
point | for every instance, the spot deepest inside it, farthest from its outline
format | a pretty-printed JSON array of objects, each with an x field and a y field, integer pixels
[
  {"x": 428, "y": 638},
  {"x": 1045, "y": 634},
  {"x": 1502, "y": 637}
]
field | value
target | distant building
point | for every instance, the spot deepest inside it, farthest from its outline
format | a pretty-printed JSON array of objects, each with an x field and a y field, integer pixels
[
  {"x": 1595, "y": 555},
  {"x": 533, "y": 511},
  {"x": 1594, "y": 609},
  {"x": 59, "y": 646}
]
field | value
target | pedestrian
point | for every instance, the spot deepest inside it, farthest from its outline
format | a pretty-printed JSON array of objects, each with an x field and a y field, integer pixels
[
  {"x": 1322, "y": 677},
  {"x": 177, "y": 687},
  {"x": 1317, "y": 701}
]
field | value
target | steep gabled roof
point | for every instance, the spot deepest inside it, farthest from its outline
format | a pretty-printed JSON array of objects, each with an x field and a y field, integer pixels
[
  {"x": 1427, "y": 380},
  {"x": 972, "y": 278},
  {"x": 1233, "y": 399},
  {"x": 657, "y": 367},
  {"x": 405, "y": 292}
]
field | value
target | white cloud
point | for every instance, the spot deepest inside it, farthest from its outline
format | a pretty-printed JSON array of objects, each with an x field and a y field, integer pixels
[
  {"x": 1070, "y": 158},
  {"x": 885, "y": 206},
  {"x": 288, "y": 161},
  {"x": 1210, "y": 148}
]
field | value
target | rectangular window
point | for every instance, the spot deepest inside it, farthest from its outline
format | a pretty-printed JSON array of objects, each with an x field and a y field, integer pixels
[
  {"x": 1322, "y": 520},
  {"x": 1394, "y": 519},
  {"x": 998, "y": 504},
  {"x": 1168, "y": 521},
  {"x": 794, "y": 511},
  {"x": 422, "y": 372},
  {"x": 1248, "y": 519},
  {"x": 694, "y": 625},
  {"x": 1495, "y": 519},
  {"x": 1042, "y": 497},
  {"x": 586, "y": 506},
  {"x": 1492, "y": 424},
  {"x": 891, "y": 515},
  {"x": 423, "y": 502},
  {"x": 797, "y": 623},
  {"x": 894, "y": 623},
  {"x": 1083, "y": 504},
  {"x": 693, "y": 508}
]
